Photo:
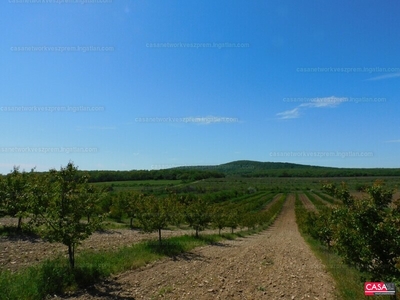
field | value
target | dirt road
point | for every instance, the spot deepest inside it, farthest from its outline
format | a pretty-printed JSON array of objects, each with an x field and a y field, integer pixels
[{"x": 276, "y": 264}]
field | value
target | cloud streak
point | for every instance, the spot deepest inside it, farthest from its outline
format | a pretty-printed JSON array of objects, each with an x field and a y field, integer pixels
[
  {"x": 195, "y": 120},
  {"x": 326, "y": 102},
  {"x": 289, "y": 114},
  {"x": 382, "y": 77}
]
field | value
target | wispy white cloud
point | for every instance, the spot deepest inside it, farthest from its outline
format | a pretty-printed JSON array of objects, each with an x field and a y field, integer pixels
[
  {"x": 382, "y": 77},
  {"x": 289, "y": 114},
  {"x": 325, "y": 102}
]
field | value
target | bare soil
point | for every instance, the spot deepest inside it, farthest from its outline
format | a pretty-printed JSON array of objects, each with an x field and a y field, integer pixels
[
  {"x": 23, "y": 251},
  {"x": 307, "y": 203},
  {"x": 276, "y": 264}
]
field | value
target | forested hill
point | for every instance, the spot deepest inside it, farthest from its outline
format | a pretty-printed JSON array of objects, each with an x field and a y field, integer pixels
[
  {"x": 247, "y": 168},
  {"x": 243, "y": 168}
]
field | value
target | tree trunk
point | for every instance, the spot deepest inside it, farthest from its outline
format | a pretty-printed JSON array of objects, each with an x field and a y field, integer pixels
[
  {"x": 197, "y": 232},
  {"x": 19, "y": 223},
  {"x": 71, "y": 255},
  {"x": 159, "y": 235},
  {"x": 219, "y": 231},
  {"x": 131, "y": 224}
]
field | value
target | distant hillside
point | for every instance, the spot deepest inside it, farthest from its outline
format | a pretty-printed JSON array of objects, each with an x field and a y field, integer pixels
[
  {"x": 247, "y": 168},
  {"x": 243, "y": 168}
]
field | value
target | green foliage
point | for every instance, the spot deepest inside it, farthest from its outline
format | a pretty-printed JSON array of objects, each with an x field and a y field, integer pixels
[
  {"x": 221, "y": 196},
  {"x": 232, "y": 218},
  {"x": 365, "y": 232},
  {"x": 61, "y": 200},
  {"x": 330, "y": 188},
  {"x": 268, "y": 216},
  {"x": 154, "y": 213},
  {"x": 324, "y": 197},
  {"x": 197, "y": 214},
  {"x": 130, "y": 205},
  {"x": 321, "y": 226},
  {"x": 185, "y": 174},
  {"x": 15, "y": 194},
  {"x": 249, "y": 220},
  {"x": 319, "y": 205},
  {"x": 219, "y": 218},
  {"x": 124, "y": 204}
]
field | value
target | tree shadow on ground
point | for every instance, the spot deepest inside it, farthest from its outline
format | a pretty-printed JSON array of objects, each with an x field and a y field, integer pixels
[
  {"x": 12, "y": 233},
  {"x": 108, "y": 231},
  {"x": 188, "y": 256},
  {"x": 165, "y": 248},
  {"x": 107, "y": 289}
]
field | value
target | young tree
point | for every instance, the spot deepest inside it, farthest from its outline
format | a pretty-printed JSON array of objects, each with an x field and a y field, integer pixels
[
  {"x": 15, "y": 190},
  {"x": 197, "y": 214},
  {"x": 248, "y": 220},
  {"x": 219, "y": 218},
  {"x": 154, "y": 214},
  {"x": 63, "y": 200},
  {"x": 128, "y": 203},
  {"x": 232, "y": 218},
  {"x": 321, "y": 226}
]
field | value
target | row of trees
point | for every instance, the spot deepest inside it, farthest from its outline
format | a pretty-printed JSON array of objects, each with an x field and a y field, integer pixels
[
  {"x": 156, "y": 213},
  {"x": 62, "y": 206},
  {"x": 365, "y": 232},
  {"x": 54, "y": 203}
]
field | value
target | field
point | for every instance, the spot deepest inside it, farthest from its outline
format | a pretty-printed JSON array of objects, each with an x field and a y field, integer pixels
[{"x": 260, "y": 261}]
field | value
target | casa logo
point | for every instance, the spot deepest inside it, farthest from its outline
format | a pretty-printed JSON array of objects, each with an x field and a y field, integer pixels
[{"x": 379, "y": 288}]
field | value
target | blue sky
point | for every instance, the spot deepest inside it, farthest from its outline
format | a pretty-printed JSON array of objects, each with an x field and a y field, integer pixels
[{"x": 131, "y": 84}]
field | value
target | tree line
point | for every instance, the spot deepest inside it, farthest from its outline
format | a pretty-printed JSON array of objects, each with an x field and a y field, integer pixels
[{"x": 165, "y": 174}]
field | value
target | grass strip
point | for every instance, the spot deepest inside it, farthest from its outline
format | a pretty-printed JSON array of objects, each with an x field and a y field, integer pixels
[
  {"x": 324, "y": 197},
  {"x": 319, "y": 205}
]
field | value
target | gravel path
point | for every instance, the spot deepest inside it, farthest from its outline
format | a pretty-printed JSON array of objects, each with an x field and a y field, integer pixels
[{"x": 276, "y": 264}]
